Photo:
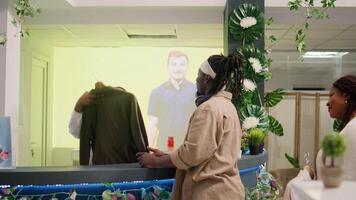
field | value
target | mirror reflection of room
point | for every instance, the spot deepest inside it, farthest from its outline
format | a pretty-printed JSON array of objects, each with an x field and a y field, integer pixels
[{"x": 75, "y": 72}]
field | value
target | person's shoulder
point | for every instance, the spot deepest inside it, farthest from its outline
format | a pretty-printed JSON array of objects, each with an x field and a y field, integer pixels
[
  {"x": 189, "y": 84},
  {"x": 162, "y": 87},
  {"x": 350, "y": 127}
]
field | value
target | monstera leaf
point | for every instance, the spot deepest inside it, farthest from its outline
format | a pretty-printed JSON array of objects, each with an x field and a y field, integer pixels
[
  {"x": 337, "y": 125},
  {"x": 246, "y": 23},
  {"x": 256, "y": 63},
  {"x": 293, "y": 161},
  {"x": 275, "y": 126},
  {"x": 253, "y": 116},
  {"x": 274, "y": 97}
]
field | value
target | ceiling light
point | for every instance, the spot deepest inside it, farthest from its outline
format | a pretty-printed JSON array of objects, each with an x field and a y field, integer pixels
[{"x": 324, "y": 54}]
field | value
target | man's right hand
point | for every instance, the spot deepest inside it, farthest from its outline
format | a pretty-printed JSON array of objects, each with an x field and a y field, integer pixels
[{"x": 84, "y": 100}]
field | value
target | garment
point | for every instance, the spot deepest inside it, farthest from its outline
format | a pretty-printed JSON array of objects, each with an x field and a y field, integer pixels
[
  {"x": 207, "y": 161},
  {"x": 112, "y": 126},
  {"x": 173, "y": 108}
]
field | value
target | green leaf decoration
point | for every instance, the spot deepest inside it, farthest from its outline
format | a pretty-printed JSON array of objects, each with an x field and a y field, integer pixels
[
  {"x": 157, "y": 190},
  {"x": 270, "y": 21},
  {"x": 275, "y": 126},
  {"x": 108, "y": 184},
  {"x": 246, "y": 32},
  {"x": 106, "y": 195},
  {"x": 293, "y": 161},
  {"x": 294, "y": 4},
  {"x": 251, "y": 53},
  {"x": 273, "y": 98},
  {"x": 164, "y": 195},
  {"x": 337, "y": 125},
  {"x": 148, "y": 196},
  {"x": 257, "y": 112}
]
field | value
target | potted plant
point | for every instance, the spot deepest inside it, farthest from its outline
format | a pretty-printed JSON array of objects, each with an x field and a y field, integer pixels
[
  {"x": 333, "y": 146},
  {"x": 256, "y": 139}
]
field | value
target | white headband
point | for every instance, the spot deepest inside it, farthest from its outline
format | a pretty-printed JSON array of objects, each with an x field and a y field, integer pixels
[{"x": 206, "y": 69}]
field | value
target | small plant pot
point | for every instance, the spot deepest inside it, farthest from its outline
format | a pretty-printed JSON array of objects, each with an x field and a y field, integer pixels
[
  {"x": 255, "y": 150},
  {"x": 331, "y": 176}
]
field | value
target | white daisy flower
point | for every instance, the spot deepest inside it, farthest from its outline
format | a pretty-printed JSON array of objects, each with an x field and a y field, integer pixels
[
  {"x": 256, "y": 64},
  {"x": 250, "y": 122},
  {"x": 247, "y": 22},
  {"x": 249, "y": 85}
]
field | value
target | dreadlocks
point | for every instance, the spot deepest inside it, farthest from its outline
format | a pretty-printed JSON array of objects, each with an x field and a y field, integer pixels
[{"x": 229, "y": 71}]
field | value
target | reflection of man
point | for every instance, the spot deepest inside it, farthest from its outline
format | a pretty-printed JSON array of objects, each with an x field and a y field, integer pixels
[{"x": 171, "y": 104}]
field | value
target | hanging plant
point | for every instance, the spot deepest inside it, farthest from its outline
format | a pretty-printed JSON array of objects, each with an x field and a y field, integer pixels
[
  {"x": 3, "y": 39},
  {"x": 24, "y": 9},
  {"x": 256, "y": 63},
  {"x": 253, "y": 116},
  {"x": 311, "y": 12},
  {"x": 246, "y": 23}
]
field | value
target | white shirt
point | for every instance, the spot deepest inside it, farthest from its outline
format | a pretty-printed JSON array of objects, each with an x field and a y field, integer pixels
[{"x": 75, "y": 123}]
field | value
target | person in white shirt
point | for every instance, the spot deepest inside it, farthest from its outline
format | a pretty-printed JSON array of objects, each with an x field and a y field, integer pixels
[
  {"x": 75, "y": 121},
  {"x": 76, "y": 117},
  {"x": 342, "y": 106}
]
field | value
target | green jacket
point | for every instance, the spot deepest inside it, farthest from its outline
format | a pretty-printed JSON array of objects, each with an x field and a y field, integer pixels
[{"x": 112, "y": 126}]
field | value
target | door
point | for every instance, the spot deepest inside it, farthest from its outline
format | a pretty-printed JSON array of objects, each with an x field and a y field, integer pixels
[{"x": 38, "y": 112}]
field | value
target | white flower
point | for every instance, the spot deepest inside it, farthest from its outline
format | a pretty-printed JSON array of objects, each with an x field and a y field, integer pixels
[
  {"x": 250, "y": 122},
  {"x": 249, "y": 85},
  {"x": 247, "y": 22},
  {"x": 256, "y": 64},
  {"x": 2, "y": 39}
]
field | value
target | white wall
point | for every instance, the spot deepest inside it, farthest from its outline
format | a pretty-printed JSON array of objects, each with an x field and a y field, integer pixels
[{"x": 9, "y": 72}]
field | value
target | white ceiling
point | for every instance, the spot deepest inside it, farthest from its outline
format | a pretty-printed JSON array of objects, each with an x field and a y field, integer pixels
[{"x": 194, "y": 23}]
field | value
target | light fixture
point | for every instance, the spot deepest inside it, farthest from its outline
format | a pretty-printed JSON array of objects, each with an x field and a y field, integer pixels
[{"x": 324, "y": 54}]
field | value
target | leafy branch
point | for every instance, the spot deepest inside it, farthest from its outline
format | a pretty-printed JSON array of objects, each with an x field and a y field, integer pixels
[
  {"x": 24, "y": 9},
  {"x": 311, "y": 12}
]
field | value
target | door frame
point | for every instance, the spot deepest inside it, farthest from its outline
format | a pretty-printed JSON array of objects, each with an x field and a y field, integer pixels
[{"x": 45, "y": 137}]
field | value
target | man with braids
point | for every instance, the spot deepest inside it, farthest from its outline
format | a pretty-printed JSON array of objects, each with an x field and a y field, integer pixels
[
  {"x": 341, "y": 105},
  {"x": 207, "y": 161}
]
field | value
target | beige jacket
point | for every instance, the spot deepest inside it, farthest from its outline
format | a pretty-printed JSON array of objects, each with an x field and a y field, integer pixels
[{"x": 206, "y": 162}]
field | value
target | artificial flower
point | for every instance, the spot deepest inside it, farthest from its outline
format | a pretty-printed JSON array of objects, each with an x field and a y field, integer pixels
[
  {"x": 256, "y": 64},
  {"x": 249, "y": 85},
  {"x": 250, "y": 122},
  {"x": 247, "y": 22}
]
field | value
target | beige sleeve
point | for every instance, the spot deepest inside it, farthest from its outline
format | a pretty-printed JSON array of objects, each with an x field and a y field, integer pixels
[{"x": 200, "y": 143}]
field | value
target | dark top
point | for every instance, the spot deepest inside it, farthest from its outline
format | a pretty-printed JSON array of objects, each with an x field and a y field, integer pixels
[
  {"x": 112, "y": 126},
  {"x": 173, "y": 108}
]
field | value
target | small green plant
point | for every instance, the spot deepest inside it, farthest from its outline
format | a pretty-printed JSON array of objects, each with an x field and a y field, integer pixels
[
  {"x": 256, "y": 137},
  {"x": 333, "y": 145}
]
